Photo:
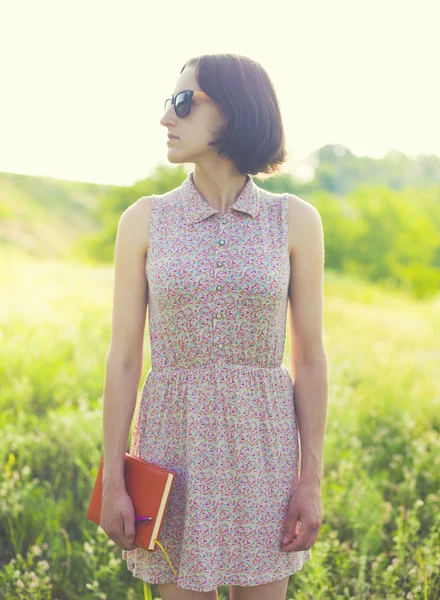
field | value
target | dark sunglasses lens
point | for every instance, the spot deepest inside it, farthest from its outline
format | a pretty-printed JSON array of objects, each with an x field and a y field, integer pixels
[{"x": 181, "y": 103}]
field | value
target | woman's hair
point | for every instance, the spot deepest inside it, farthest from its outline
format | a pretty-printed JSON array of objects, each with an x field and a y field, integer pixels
[{"x": 253, "y": 137}]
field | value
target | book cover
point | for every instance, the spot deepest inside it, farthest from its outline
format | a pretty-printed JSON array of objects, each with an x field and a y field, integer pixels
[{"x": 149, "y": 487}]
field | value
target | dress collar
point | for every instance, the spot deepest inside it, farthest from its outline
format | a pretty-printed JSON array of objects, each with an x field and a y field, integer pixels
[{"x": 196, "y": 208}]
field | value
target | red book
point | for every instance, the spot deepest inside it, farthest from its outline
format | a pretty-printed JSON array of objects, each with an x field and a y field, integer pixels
[{"x": 149, "y": 487}]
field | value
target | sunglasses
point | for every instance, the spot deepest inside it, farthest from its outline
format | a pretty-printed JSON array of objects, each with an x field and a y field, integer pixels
[{"x": 182, "y": 102}]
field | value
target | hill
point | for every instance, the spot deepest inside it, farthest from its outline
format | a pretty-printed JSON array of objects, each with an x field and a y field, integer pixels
[{"x": 43, "y": 217}]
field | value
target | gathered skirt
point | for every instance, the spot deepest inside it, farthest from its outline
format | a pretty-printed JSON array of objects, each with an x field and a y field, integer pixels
[{"x": 229, "y": 433}]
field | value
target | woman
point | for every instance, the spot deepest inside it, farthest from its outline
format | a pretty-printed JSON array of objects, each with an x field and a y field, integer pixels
[{"x": 216, "y": 261}]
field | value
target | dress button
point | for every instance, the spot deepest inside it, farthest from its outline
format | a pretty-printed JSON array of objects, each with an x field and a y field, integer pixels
[
  {"x": 219, "y": 315},
  {"x": 221, "y": 242},
  {"x": 219, "y": 263},
  {"x": 218, "y": 288}
]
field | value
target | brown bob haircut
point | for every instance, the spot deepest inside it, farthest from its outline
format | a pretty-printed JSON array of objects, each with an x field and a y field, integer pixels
[{"x": 253, "y": 137}]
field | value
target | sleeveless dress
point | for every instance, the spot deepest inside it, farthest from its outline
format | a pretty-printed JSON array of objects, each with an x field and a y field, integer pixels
[{"x": 217, "y": 406}]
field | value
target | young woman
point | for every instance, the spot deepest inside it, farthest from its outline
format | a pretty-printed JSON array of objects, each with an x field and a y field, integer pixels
[{"x": 215, "y": 262}]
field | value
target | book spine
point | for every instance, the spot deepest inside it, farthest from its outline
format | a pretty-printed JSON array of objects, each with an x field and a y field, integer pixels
[{"x": 161, "y": 511}]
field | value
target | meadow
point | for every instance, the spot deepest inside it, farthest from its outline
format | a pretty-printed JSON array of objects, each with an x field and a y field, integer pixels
[{"x": 380, "y": 536}]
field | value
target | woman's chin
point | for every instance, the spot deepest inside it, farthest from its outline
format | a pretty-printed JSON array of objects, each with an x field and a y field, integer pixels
[{"x": 174, "y": 158}]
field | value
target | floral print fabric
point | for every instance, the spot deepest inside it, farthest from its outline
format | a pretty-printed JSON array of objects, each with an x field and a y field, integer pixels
[{"x": 217, "y": 406}]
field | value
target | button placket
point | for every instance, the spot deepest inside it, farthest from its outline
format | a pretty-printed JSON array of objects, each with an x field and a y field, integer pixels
[{"x": 218, "y": 313}]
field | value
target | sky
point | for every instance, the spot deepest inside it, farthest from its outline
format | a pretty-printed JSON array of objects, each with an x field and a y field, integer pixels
[{"x": 83, "y": 82}]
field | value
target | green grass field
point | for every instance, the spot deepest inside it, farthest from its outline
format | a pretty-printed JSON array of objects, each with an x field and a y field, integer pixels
[{"x": 380, "y": 536}]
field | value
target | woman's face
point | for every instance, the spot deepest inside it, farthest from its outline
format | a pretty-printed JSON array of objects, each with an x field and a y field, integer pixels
[{"x": 194, "y": 131}]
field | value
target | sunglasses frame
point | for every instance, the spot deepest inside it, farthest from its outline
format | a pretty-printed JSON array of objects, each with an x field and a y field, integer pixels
[{"x": 189, "y": 94}]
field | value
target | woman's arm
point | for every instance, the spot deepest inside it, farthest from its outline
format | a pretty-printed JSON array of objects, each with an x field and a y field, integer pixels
[
  {"x": 308, "y": 354},
  {"x": 125, "y": 356}
]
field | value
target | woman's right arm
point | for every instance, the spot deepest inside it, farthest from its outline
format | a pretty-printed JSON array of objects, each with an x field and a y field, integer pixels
[{"x": 125, "y": 356}]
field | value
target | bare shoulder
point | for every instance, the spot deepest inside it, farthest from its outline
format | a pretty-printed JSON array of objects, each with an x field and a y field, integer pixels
[
  {"x": 130, "y": 284},
  {"x": 305, "y": 224},
  {"x": 137, "y": 221}
]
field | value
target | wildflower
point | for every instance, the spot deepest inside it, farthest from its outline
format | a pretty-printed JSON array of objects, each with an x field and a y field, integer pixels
[
  {"x": 88, "y": 548},
  {"x": 43, "y": 564},
  {"x": 36, "y": 550}
]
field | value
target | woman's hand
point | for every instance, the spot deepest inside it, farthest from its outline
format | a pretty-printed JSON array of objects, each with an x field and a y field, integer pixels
[
  {"x": 303, "y": 519},
  {"x": 118, "y": 518}
]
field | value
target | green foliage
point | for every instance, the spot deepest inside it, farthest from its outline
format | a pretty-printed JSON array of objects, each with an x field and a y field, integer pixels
[
  {"x": 27, "y": 577},
  {"x": 380, "y": 536},
  {"x": 381, "y": 217},
  {"x": 384, "y": 236},
  {"x": 339, "y": 171}
]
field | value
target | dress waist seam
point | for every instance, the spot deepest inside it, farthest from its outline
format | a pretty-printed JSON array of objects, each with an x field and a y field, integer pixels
[{"x": 155, "y": 371}]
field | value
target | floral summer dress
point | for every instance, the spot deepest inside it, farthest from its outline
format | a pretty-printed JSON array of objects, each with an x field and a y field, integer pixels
[{"x": 217, "y": 406}]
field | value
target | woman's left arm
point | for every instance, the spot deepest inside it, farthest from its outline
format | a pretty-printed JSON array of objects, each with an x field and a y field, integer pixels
[{"x": 309, "y": 368}]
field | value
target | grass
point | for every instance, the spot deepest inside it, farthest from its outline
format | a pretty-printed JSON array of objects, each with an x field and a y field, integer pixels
[{"x": 380, "y": 537}]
